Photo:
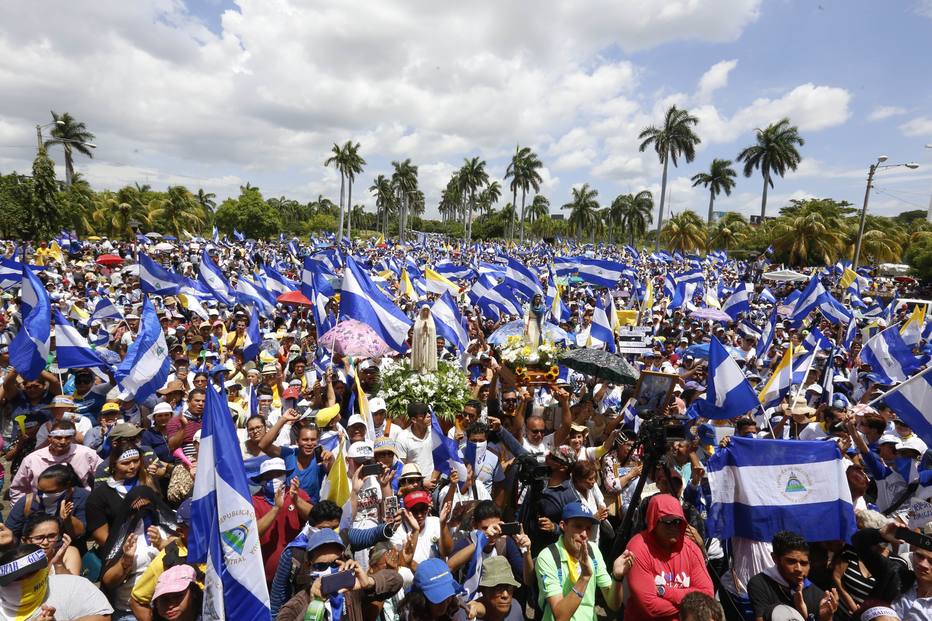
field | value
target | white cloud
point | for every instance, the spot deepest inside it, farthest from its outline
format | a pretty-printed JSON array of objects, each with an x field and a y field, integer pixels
[
  {"x": 920, "y": 126},
  {"x": 885, "y": 112},
  {"x": 715, "y": 78},
  {"x": 923, "y": 7}
]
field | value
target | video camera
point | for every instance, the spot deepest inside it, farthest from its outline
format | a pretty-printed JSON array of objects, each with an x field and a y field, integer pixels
[{"x": 532, "y": 469}]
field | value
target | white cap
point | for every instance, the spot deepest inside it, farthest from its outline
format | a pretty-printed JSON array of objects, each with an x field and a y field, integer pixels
[
  {"x": 889, "y": 438},
  {"x": 161, "y": 408},
  {"x": 355, "y": 419},
  {"x": 376, "y": 404},
  {"x": 360, "y": 450},
  {"x": 814, "y": 387},
  {"x": 271, "y": 465},
  {"x": 912, "y": 443}
]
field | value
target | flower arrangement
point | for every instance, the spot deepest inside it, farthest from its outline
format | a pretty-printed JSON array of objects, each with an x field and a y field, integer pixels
[
  {"x": 516, "y": 354},
  {"x": 446, "y": 390}
]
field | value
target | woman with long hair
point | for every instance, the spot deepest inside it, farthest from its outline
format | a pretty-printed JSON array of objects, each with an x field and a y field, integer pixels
[{"x": 46, "y": 532}]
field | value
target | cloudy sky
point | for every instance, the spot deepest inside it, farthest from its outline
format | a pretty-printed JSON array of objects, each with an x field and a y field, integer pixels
[{"x": 214, "y": 93}]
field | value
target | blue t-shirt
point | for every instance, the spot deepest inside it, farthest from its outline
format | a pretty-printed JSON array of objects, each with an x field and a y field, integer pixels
[{"x": 308, "y": 479}]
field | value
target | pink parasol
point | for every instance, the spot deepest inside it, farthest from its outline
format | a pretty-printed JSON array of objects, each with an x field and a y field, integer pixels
[{"x": 356, "y": 339}]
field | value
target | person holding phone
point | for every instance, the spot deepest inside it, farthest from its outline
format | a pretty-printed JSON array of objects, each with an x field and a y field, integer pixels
[{"x": 338, "y": 584}]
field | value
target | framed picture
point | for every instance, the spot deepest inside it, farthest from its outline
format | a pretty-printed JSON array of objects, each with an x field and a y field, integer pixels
[{"x": 654, "y": 391}]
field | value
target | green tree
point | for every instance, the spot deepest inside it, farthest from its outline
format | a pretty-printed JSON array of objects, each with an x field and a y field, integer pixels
[
  {"x": 539, "y": 208},
  {"x": 338, "y": 160},
  {"x": 728, "y": 232},
  {"x": 43, "y": 218},
  {"x": 810, "y": 232},
  {"x": 774, "y": 152},
  {"x": 15, "y": 201},
  {"x": 206, "y": 200},
  {"x": 583, "y": 210},
  {"x": 381, "y": 189},
  {"x": 720, "y": 178},
  {"x": 684, "y": 232},
  {"x": 472, "y": 177},
  {"x": 634, "y": 213},
  {"x": 404, "y": 182},
  {"x": 73, "y": 136},
  {"x": 78, "y": 206},
  {"x": 249, "y": 214},
  {"x": 177, "y": 211},
  {"x": 675, "y": 138},
  {"x": 523, "y": 171},
  {"x": 489, "y": 196},
  {"x": 115, "y": 213}
]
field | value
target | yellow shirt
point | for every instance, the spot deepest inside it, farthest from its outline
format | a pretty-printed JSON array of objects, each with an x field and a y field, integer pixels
[{"x": 145, "y": 585}]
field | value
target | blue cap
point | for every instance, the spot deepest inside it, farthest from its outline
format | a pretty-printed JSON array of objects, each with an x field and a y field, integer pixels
[
  {"x": 323, "y": 537},
  {"x": 577, "y": 510},
  {"x": 183, "y": 512},
  {"x": 434, "y": 580},
  {"x": 218, "y": 369}
]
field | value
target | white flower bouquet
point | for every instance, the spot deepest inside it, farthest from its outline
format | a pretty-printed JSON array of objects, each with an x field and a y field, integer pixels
[{"x": 446, "y": 390}]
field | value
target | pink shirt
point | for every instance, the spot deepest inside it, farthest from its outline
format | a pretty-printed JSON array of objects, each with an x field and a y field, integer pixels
[{"x": 83, "y": 459}]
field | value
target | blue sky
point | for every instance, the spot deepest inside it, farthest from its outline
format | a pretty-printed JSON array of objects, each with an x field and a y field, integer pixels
[{"x": 214, "y": 93}]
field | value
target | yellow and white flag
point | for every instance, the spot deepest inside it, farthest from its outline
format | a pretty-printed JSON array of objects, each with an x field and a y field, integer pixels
[
  {"x": 913, "y": 327},
  {"x": 779, "y": 382}
]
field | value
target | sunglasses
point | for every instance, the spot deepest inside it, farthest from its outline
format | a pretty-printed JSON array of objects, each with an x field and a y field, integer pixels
[
  {"x": 675, "y": 522},
  {"x": 321, "y": 567}
]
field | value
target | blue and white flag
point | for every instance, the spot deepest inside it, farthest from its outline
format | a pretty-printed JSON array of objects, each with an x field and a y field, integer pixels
[
  {"x": 766, "y": 296},
  {"x": 360, "y": 299},
  {"x": 522, "y": 279},
  {"x": 248, "y": 292},
  {"x": 238, "y": 236},
  {"x": 449, "y": 322},
  {"x": 601, "y": 335},
  {"x": 483, "y": 285},
  {"x": 728, "y": 394},
  {"x": 816, "y": 296},
  {"x": 849, "y": 335},
  {"x": 157, "y": 280},
  {"x": 31, "y": 291},
  {"x": 29, "y": 350},
  {"x": 564, "y": 267},
  {"x": 72, "y": 351},
  {"x": 828, "y": 379},
  {"x": 224, "y": 530},
  {"x": 498, "y": 300},
  {"x": 215, "y": 235},
  {"x": 214, "y": 280},
  {"x": 912, "y": 402},
  {"x": 473, "y": 571},
  {"x": 601, "y": 272},
  {"x": 446, "y": 452},
  {"x": 11, "y": 273},
  {"x": 106, "y": 309},
  {"x": 146, "y": 365},
  {"x": 253, "y": 340},
  {"x": 275, "y": 283},
  {"x": 453, "y": 271},
  {"x": 314, "y": 275},
  {"x": 816, "y": 340},
  {"x": 737, "y": 302},
  {"x": 890, "y": 357},
  {"x": 760, "y": 487}
]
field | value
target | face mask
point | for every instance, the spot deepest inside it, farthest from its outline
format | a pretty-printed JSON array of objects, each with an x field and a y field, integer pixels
[
  {"x": 904, "y": 466},
  {"x": 49, "y": 500},
  {"x": 23, "y": 597}
]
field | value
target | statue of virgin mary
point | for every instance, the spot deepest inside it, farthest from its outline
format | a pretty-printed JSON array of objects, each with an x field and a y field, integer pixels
[{"x": 424, "y": 342}]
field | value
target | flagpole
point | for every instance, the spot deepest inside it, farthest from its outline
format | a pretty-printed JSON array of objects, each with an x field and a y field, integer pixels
[{"x": 900, "y": 387}]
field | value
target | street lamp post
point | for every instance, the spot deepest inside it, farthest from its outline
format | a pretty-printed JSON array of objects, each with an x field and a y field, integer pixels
[
  {"x": 929, "y": 214},
  {"x": 878, "y": 165}
]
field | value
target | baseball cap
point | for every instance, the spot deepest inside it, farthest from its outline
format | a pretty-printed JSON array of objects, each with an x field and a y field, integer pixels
[
  {"x": 323, "y": 537},
  {"x": 292, "y": 392},
  {"x": 376, "y": 404},
  {"x": 183, "y": 512},
  {"x": 62, "y": 401},
  {"x": 125, "y": 430},
  {"x": 416, "y": 498},
  {"x": 175, "y": 579},
  {"x": 411, "y": 470},
  {"x": 496, "y": 570},
  {"x": 434, "y": 580},
  {"x": 577, "y": 510},
  {"x": 273, "y": 464},
  {"x": 112, "y": 406},
  {"x": 386, "y": 444},
  {"x": 355, "y": 419},
  {"x": 326, "y": 415},
  {"x": 566, "y": 455},
  {"x": 360, "y": 450}
]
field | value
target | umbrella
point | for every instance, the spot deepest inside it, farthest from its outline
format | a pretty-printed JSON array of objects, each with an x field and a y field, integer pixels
[
  {"x": 293, "y": 298},
  {"x": 170, "y": 238},
  {"x": 601, "y": 364},
  {"x": 701, "y": 350},
  {"x": 153, "y": 234},
  {"x": 164, "y": 247},
  {"x": 356, "y": 339},
  {"x": 786, "y": 275},
  {"x": 109, "y": 260},
  {"x": 713, "y": 314},
  {"x": 552, "y": 332}
]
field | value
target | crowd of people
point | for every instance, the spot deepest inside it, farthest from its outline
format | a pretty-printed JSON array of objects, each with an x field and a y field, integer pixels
[{"x": 563, "y": 510}]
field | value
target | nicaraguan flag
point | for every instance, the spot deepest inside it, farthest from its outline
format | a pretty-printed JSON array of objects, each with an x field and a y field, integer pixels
[
  {"x": 483, "y": 285},
  {"x": 276, "y": 283},
  {"x": 728, "y": 394},
  {"x": 314, "y": 274},
  {"x": 31, "y": 291},
  {"x": 11, "y": 273},
  {"x": 360, "y": 299},
  {"x": 224, "y": 531},
  {"x": 473, "y": 571},
  {"x": 248, "y": 292},
  {"x": 214, "y": 280},
  {"x": 601, "y": 272},
  {"x": 766, "y": 296},
  {"x": 564, "y": 267},
  {"x": 449, "y": 321},
  {"x": 500, "y": 299},
  {"x": 238, "y": 236},
  {"x": 828, "y": 379},
  {"x": 146, "y": 365},
  {"x": 29, "y": 350},
  {"x": 156, "y": 280},
  {"x": 807, "y": 301},
  {"x": 72, "y": 351},
  {"x": 891, "y": 358},
  {"x": 253, "y": 338},
  {"x": 816, "y": 340},
  {"x": 445, "y": 450},
  {"x": 760, "y": 487},
  {"x": 737, "y": 302},
  {"x": 600, "y": 332},
  {"x": 522, "y": 278},
  {"x": 912, "y": 401},
  {"x": 453, "y": 271},
  {"x": 106, "y": 309},
  {"x": 849, "y": 335},
  {"x": 215, "y": 235}
]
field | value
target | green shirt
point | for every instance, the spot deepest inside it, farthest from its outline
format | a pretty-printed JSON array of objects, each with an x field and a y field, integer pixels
[{"x": 551, "y": 581}]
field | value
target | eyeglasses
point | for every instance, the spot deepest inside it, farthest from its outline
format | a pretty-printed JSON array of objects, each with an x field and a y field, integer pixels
[
  {"x": 40, "y": 538},
  {"x": 535, "y": 431},
  {"x": 675, "y": 522}
]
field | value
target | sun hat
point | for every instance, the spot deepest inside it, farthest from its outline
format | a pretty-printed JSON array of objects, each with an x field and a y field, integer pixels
[
  {"x": 323, "y": 537},
  {"x": 411, "y": 470},
  {"x": 326, "y": 415},
  {"x": 360, "y": 450},
  {"x": 384, "y": 444},
  {"x": 125, "y": 430},
  {"x": 496, "y": 570}
]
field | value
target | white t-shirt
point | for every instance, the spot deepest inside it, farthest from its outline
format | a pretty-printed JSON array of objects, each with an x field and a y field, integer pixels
[
  {"x": 73, "y": 597},
  {"x": 417, "y": 451},
  {"x": 812, "y": 431},
  {"x": 429, "y": 536},
  {"x": 538, "y": 449}
]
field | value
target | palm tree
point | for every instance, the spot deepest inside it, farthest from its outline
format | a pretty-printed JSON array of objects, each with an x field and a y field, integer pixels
[
  {"x": 404, "y": 182},
  {"x": 539, "y": 208},
  {"x": 583, "y": 208},
  {"x": 115, "y": 213},
  {"x": 674, "y": 139},
  {"x": 528, "y": 178},
  {"x": 512, "y": 172},
  {"x": 489, "y": 196},
  {"x": 206, "y": 200},
  {"x": 684, "y": 232},
  {"x": 337, "y": 160},
  {"x": 775, "y": 152},
  {"x": 176, "y": 211},
  {"x": 353, "y": 164},
  {"x": 809, "y": 237},
  {"x": 634, "y": 213},
  {"x": 73, "y": 136},
  {"x": 720, "y": 178},
  {"x": 472, "y": 177},
  {"x": 730, "y": 230},
  {"x": 381, "y": 188}
]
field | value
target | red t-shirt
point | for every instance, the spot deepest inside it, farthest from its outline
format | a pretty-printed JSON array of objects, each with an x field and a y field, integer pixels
[{"x": 286, "y": 527}]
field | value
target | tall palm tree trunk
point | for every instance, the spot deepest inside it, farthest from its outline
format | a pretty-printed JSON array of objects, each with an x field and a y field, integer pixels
[
  {"x": 523, "y": 193},
  {"x": 472, "y": 205},
  {"x": 711, "y": 200},
  {"x": 763, "y": 197},
  {"x": 69, "y": 165},
  {"x": 340, "y": 223},
  {"x": 511, "y": 218},
  {"x": 663, "y": 195},
  {"x": 349, "y": 209}
]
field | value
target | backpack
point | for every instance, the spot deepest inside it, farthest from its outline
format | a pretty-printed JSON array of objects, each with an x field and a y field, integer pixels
[{"x": 554, "y": 552}]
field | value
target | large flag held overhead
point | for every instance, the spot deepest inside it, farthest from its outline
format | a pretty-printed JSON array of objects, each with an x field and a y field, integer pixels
[
  {"x": 728, "y": 394},
  {"x": 214, "y": 280},
  {"x": 253, "y": 338},
  {"x": 145, "y": 367},
  {"x": 889, "y": 357},
  {"x": 225, "y": 532},
  {"x": 72, "y": 351},
  {"x": 360, "y": 299},
  {"x": 522, "y": 279},
  {"x": 601, "y": 335},
  {"x": 816, "y": 296},
  {"x": 449, "y": 321},
  {"x": 738, "y": 302},
  {"x": 912, "y": 402},
  {"x": 760, "y": 487},
  {"x": 29, "y": 350},
  {"x": 500, "y": 299},
  {"x": 600, "y": 272}
]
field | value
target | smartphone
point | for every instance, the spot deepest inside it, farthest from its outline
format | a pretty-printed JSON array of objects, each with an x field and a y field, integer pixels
[
  {"x": 373, "y": 469},
  {"x": 510, "y": 528},
  {"x": 913, "y": 538},
  {"x": 318, "y": 451},
  {"x": 332, "y": 583},
  {"x": 389, "y": 509}
]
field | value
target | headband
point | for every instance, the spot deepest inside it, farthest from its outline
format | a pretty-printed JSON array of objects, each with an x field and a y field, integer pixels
[
  {"x": 878, "y": 611},
  {"x": 128, "y": 454},
  {"x": 61, "y": 433},
  {"x": 22, "y": 566}
]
